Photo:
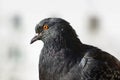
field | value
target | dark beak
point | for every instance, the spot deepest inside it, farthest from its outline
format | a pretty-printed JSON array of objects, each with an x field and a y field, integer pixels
[{"x": 35, "y": 38}]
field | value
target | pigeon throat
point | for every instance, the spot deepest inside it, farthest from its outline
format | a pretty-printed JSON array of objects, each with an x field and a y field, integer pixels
[{"x": 63, "y": 42}]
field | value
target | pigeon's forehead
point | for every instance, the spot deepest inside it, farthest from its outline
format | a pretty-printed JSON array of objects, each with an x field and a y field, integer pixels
[{"x": 52, "y": 20}]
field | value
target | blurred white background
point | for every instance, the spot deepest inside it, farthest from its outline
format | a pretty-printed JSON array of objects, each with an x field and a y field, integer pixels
[{"x": 97, "y": 22}]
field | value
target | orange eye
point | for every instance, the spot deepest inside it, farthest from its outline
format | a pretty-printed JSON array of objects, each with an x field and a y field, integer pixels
[{"x": 45, "y": 27}]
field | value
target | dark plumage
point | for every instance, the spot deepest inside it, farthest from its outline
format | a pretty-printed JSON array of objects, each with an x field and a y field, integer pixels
[{"x": 64, "y": 57}]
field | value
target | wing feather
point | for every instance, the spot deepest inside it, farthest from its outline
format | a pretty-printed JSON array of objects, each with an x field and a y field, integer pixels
[{"x": 96, "y": 69}]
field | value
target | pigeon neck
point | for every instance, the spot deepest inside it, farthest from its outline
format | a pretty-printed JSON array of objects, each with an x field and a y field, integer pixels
[
  {"x": 55, "y": 43},
  {"x": 61, "y": 42}
]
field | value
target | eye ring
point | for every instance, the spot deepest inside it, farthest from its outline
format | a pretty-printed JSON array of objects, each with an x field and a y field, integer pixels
[{"x": 45, "y": 27}]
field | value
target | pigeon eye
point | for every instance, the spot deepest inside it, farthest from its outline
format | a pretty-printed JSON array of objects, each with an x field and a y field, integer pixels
[{"x": 45, "y": 27}]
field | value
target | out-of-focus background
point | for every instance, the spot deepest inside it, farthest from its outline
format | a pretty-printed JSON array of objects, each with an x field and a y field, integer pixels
[{"x": 97, "y": 22}]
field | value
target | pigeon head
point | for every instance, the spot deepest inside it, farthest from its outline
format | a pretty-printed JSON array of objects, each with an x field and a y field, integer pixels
[{"x": 51, "y": 28}]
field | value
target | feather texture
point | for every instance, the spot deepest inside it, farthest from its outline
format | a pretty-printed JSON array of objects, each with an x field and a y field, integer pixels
[{"x": 64, "y": 57}]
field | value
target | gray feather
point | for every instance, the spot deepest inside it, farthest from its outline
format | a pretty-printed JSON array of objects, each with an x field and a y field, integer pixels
[{"x": 64, "y": 57}]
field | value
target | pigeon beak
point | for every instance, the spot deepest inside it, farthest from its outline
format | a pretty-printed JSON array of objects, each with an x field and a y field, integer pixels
[{"x": 36, "y": 37}]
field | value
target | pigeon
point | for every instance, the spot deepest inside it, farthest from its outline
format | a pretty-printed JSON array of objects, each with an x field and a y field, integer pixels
[{"x": 65, "y": 57}]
